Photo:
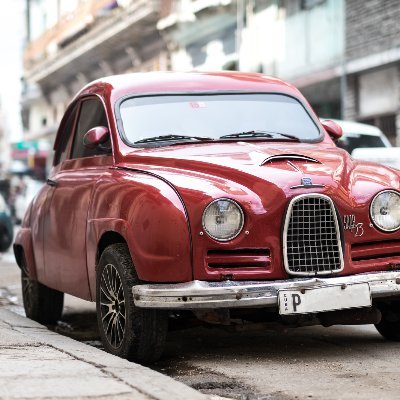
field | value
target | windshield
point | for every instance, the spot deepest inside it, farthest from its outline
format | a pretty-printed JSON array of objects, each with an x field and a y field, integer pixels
[
  {"x": 210, "y": 117},
  {"x": 354, "y": 141}
]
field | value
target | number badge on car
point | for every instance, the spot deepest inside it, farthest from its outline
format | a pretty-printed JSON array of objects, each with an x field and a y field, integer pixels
[{"x": 350, "y": 224}]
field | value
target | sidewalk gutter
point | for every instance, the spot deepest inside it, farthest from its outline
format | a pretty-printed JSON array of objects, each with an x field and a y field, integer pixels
[{"x": 36, "y": 363}]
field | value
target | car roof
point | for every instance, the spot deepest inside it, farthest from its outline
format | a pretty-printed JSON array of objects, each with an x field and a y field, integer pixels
[
  {"x": 195, "y": 81},
  {"x": 351, "y": 127}
]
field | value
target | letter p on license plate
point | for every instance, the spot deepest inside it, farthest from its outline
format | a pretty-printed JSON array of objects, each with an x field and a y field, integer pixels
[{"x": 321, "y": 299}]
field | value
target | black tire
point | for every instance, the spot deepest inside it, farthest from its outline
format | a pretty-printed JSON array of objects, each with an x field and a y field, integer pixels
[
  {"x": 389, "y": 326},
  {"x": 126, "y": 331},
  {"x": 41, "y": 303}
]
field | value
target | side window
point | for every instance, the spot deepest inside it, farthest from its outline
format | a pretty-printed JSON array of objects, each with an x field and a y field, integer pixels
[
  {"x": 65, "y": 133},
  {"x": 91, "y": 114}
]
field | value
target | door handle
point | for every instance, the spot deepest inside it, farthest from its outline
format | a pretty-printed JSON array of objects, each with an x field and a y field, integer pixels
[{"x": 50, "y": 182}]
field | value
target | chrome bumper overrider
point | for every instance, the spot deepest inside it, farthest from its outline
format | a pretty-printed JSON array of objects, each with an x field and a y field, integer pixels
[{"x": 232, "y": 294}]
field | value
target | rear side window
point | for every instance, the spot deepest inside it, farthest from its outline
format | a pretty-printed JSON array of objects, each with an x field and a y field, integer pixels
[
  {"x": 91, "y": 114},
  {"x": 65, "y": 133}
]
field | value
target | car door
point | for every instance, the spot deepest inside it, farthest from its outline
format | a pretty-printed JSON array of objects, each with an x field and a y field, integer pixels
[
  {"x": 66, "y": 220},
  {"x": 42, "y": 201}
]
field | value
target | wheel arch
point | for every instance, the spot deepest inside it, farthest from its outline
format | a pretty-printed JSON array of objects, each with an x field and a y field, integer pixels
[
  {"x": 150, "y": 217},
  {"x": 108, "y": 238},
  {"x": 18, "y": 254},
  {"x": 23, "y": 252}
]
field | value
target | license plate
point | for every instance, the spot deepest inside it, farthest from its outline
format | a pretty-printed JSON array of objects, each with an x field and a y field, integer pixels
[{"x": 326, "y": 298}]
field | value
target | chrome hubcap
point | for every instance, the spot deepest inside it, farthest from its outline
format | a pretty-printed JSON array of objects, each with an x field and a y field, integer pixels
[{"x": 112, "y": 305}]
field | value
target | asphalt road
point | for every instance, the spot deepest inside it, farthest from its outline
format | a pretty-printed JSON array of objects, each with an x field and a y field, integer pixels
[{"x": 307, "y": 363}]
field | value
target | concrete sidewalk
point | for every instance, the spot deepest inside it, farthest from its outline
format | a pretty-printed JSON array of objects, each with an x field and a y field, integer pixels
[{"x": 36, "y": 363}]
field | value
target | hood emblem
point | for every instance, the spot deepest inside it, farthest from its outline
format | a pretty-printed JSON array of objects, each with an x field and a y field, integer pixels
[{"x": 306, "y": 182}]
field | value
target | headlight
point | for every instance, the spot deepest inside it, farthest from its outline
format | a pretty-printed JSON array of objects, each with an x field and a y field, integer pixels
[
  {"x": 385, "y": 210},
  {"x": 223, "y": 219}
]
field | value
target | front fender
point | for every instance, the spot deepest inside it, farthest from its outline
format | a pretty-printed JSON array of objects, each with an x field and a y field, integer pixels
[{"x": 151, "y": 217}]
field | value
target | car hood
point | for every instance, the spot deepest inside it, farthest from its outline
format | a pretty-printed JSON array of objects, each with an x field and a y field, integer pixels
[{"x": 277, "y": 166}]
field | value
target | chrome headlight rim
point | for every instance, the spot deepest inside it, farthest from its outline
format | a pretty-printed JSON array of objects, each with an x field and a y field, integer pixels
[
  {"x": 370, "y": 211},
  {"x": 241, "y": 215}
]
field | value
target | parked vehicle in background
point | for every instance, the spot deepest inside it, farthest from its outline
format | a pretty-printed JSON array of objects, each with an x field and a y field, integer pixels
[
  {"x": 389, "y": 156},
  {"x": 357, "y": 135},
  {"x": 23, "y": 196},
  {"x": 220, "y": 194},
  {"x": 368, "y": 143},
  {"x": 6, "y": 226}
]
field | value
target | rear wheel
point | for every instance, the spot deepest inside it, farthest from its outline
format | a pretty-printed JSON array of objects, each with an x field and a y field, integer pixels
[
  {"x": 41, "y": 303},
  {"x": 389, "y": 326},
  {"x": 126, "y": 331}
]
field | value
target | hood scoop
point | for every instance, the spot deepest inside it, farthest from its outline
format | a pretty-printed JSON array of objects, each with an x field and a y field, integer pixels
[{"x": 289, "y": 157}]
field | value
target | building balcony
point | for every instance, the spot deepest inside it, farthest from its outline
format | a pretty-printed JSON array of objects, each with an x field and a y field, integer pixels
[{"x": 100, "y": 38}]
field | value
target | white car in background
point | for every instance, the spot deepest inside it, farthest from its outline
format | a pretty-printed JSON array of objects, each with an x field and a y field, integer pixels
[
  {"x": 368, "y": 143},
  {"x": 357, "y": 135}
]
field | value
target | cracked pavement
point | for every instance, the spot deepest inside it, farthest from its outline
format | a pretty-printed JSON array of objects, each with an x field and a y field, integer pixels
[{"x": 37, "y": 363}]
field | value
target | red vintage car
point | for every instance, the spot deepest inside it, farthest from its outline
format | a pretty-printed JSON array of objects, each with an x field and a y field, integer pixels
[{"x": 217, "y": 193}]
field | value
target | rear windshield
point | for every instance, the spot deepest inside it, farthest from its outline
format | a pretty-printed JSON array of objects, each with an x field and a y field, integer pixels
[
  {"x": 215, "y": 115},
  {"x": 354, "y": 141}
]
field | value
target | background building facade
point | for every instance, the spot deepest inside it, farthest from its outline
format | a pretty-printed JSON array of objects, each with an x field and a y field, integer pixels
[{"x": 342, "y": 54}]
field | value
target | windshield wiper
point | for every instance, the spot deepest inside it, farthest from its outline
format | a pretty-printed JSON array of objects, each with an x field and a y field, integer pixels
[
  {"x": 166, "y": 138},
  {"x": 259, "y": 134}
]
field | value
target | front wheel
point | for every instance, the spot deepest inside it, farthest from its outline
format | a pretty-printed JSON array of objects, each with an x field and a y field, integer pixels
[
  {"x": 389, "y": 326},
  {"x": 126, "y": 331},
  {"x": 41, "y": 303}
]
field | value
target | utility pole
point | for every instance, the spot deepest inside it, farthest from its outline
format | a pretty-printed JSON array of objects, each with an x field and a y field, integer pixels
[
  {"x": 28, "y": 21},
  {"x": 343, "y": 72},
  {"x": 239, "y": 26}
]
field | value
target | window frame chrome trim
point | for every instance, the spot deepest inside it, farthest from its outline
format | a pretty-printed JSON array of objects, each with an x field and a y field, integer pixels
[{"x": 285, "y": 231}]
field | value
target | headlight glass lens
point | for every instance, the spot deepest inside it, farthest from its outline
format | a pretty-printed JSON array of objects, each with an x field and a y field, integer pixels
[
  {"x": 385, "y": 210},
  {"x": 223, "y": 219}
]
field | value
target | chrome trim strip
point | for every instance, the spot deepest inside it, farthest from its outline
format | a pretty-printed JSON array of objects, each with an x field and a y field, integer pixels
[
  {"x": 308, "y": 186},
  {"x": 235, "y": 294},
  {"x": 279, "y": 157},
  {"x": 285, "y": 231}
]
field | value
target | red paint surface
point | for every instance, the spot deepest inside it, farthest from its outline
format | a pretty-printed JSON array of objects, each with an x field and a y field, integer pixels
[{"x": 154, "y": 198}]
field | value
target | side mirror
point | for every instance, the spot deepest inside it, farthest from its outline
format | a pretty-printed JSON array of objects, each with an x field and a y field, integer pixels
[
  {"x": 95, "y": 137},
  {"x": 334, "y": 130}
]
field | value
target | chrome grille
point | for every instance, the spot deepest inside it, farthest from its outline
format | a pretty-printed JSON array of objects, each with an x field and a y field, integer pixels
[{"x": 311, "y": 236}]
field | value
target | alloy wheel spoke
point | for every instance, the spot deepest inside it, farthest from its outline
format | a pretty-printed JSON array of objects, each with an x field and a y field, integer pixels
[
  {"x": 116, "y": 330},
  {"x": 120, "y": 289},
  {"x": 108, "y": 283},
  {"x": 108, "y": 314},
  {"x": 121, "y": 328},
  {"x": 109, "y": 324},
  {"x": 107, "y": 295},
  {"x": 122, "y": 315},
  {"x": 115, "y": 281},
  {"x": 112, "y": 305}
]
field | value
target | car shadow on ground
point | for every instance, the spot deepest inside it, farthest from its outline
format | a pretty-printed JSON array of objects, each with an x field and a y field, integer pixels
[{"x": 193, "y": 354}]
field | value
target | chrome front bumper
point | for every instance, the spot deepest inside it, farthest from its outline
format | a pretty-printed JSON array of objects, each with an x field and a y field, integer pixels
[{"x": 233, "y": 294}]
